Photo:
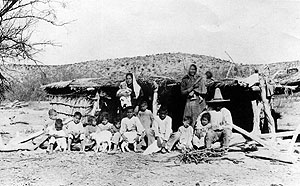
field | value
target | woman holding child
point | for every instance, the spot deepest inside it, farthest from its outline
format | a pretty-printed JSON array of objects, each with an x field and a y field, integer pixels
[
  {"x": 132, "y": 91},
  {"x": 193, "y": 88}
]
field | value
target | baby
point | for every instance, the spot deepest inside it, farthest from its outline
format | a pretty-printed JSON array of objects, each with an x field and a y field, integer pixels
[
  {"x": 124, "y": 93},
  {"x": 58, "y": 137}
]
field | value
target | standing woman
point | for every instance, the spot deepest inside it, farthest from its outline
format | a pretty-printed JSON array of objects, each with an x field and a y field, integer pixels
[
  {"x": 193, "y": 88},
  {"x": 136, "y": 93}
]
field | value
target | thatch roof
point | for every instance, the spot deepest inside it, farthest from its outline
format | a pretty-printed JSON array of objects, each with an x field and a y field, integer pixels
[
  {"x": 288, "y": 78},
  {"x": 98, "y": 83}
]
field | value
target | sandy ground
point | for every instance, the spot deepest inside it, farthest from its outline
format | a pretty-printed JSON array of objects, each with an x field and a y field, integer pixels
[{"x": 61, "y": 169}]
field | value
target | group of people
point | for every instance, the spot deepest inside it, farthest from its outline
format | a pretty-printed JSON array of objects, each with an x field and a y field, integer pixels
[{"x": 204, "y": 122}]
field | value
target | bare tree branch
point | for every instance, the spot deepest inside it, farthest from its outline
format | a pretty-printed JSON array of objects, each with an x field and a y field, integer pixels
[{"x": 17, "y": 24}]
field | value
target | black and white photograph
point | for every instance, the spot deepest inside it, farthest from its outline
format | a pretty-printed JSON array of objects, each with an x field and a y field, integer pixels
[{"x": 149, "y": 92}]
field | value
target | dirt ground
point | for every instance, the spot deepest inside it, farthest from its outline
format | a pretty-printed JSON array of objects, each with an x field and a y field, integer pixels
[{"x": 32, "y": 168}]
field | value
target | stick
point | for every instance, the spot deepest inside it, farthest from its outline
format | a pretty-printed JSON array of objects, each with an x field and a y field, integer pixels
[
  {"x": 26, "y": 138},
  {"x": 230, "y": 65},
  {"x": 272, "y": 155},
  {"x": 19, "y": 122}
]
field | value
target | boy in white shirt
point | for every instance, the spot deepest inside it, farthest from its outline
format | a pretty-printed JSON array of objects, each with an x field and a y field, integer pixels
[
  {"x": 76, "y": 131},
  {"x": 162, "y": 127},
  {"x": 58, "y": 137},
  {"x": 131, "y": 129}
]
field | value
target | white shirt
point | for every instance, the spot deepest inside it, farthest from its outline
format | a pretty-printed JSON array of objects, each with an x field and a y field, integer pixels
[
  {"x": 219, "y": 119},
  {"x": 162, "y": 128},
  {"x": 132, "y": 124}
]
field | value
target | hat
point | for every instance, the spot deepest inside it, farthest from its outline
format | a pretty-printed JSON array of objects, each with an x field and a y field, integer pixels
[{"x": 218, "y": 98}]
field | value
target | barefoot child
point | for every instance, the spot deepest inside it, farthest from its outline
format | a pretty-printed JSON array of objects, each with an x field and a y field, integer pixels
[
  {"x": 58, "y": 137},
  {"x": 146, "y": 118},
  {"x": 131, "y": 129},
  {"x": 186, "y": 136},
  {"x": 103, "y": 135},
  {"x": 90, "y": 128},
  {"x": 76, "y": 132},
  {"x": 116, "y": 134},
  {"x": 162, "y": 127}
]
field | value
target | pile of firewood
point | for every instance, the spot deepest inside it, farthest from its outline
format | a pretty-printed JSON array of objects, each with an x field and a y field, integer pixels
[{"x": 200, "y": 156}]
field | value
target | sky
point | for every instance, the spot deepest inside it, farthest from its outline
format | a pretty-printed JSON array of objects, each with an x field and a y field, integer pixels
[{"x": 251, "y": 31}]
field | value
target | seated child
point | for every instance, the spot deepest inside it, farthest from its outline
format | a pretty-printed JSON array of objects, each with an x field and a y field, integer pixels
[
  {"x": 50, "y": 124},
  {"x": 90, "y": 128},
  {"x": 201, "y": 130},
  {"x": 205, "y": 125},
  {"x": 162, "y": 127},
  {"x": 103, "y": 134},
  {"x": 131, "y": 130},
  {"x": 58, "y": 137},
  {"x": 146, "y": 118},
  {"x": 186, "y": 136},
  {"x": 124, "y": 94},
  {"x": 115, "y": 130},
  {"x": 76, "y": 132}
]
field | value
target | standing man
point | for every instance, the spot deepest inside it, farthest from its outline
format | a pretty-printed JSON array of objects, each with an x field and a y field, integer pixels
[{"x": 193, "y": 88}]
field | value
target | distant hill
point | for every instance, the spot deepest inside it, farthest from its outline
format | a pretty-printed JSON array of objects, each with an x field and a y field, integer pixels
[{"x": 27, "y": 79}]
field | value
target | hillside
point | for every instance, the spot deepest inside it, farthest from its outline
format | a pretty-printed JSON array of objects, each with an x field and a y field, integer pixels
[{"x": 27, "y": 79}]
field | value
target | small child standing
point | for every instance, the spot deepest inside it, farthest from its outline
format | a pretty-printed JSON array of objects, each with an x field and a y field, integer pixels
[
  {"x": 124, "y": 94},
  {"x": 58, "y": 137},
  {"x": 76, "y": 132},
  {"x": 146, "y": 118},
  {"x": 186, "y": 136}
]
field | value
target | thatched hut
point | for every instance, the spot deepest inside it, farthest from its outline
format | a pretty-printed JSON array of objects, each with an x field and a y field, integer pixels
[
  {"x": 68, "y": 97},
  {"x": 77, "y": 95}
]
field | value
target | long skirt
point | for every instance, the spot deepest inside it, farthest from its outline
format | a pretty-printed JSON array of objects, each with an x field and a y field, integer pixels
[{"x": 194, "y": 108}]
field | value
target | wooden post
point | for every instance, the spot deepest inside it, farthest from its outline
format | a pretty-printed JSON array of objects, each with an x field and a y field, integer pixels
[
  {"x": 155, "y": 101},
  {"x": 267, "y": 107},
  {"x": 256, "y": 117},
  {"x": 293, "y": 141}
]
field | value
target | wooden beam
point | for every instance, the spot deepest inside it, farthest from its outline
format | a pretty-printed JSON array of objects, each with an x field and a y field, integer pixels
[
  {"x": 273, "y": 155},
  {"x": 254, "y": 137},
  {"x": 24, "y": 139},
  {"x": 293, "y": 141},
  {"x": 277, "y": 135}
]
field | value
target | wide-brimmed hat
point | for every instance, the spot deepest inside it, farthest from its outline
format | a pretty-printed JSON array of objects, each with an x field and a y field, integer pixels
[{"x": 218, "y": 98}]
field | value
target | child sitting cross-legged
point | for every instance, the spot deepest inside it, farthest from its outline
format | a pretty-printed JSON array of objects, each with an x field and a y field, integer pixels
[
  {"x": 57, "y": 137},
  {"x": 186, "y": 134}
]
